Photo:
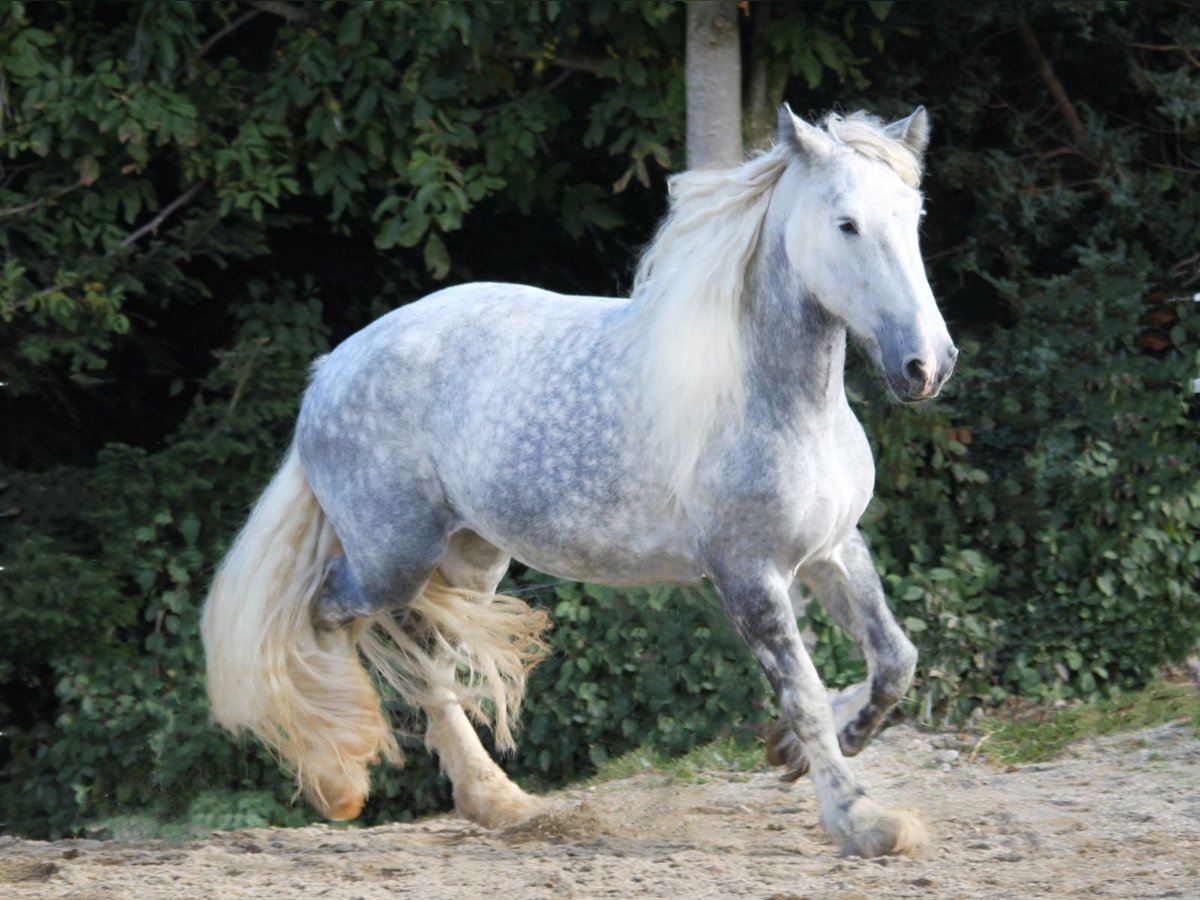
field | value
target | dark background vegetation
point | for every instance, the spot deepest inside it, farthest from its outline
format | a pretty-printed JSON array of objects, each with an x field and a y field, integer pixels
[{"x": 198, "y": 198}]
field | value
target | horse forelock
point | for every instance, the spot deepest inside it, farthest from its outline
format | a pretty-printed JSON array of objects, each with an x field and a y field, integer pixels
[{"x": 865, "y": 134}]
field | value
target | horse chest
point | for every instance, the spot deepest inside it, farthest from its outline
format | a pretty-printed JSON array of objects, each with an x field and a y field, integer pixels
[
  {"x": 794, "y": 497},
  {"x": 839, "y": 499},
  {"x": 837, "y": 478}
]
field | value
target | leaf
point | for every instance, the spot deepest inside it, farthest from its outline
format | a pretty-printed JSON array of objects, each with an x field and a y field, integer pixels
[
  {"x": 603, "y": 216},
  {"x": 350, "y": 32},
  {"x": 437, "y": 259},
  {"x": 597, "y": 755},
  {"x": 880, "y": 8},
  {"x": 829, "y": 51},
  {"x": 810, "y": 68}
]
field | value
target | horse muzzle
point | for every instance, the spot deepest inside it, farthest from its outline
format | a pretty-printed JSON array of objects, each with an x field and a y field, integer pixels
[{"x": 921, "y": 376}]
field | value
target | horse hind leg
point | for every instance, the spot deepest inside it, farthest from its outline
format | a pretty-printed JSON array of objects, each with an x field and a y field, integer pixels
[
  {"x": 458, "y": 623},
  {"x": 381, "y": 569}
]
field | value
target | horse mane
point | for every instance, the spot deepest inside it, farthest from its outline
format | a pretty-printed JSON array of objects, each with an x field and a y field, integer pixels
[
  {"x": 686, "y": 303},
  {"x": 688, "y": 288}
]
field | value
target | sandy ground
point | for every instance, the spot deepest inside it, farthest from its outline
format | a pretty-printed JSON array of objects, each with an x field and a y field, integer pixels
[{"x": 1114, "y": 817}]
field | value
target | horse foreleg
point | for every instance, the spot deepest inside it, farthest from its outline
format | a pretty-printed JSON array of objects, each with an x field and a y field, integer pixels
[
  {"x": 760, "y": 610},
  {"x": 850, "y": 590}
]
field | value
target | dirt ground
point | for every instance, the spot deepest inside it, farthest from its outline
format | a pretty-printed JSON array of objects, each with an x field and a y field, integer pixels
[{"x": 1114, "y": 817}]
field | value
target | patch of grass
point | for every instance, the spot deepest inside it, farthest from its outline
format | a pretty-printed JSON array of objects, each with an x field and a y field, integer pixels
[
  {"x": 145, "y": 827},
  {"x": 1031, "y": 736},
  {"x": 727, "y": 754},
  {"x": 209, "y": 811}
]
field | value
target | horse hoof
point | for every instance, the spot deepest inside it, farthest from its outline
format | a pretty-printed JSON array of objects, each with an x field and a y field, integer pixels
[
  {"x": 497, "y": 808},
  {"x": 346, "y": 810},
  {"x": 784, "y": 749},
  {"x": 868, "y": 830}
]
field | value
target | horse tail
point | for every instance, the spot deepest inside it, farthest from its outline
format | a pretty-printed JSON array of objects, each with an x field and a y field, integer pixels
[{"x": 301, "y": 690}]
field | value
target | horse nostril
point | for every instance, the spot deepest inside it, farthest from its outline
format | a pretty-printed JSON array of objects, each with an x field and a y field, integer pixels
[{"x": 916, "y": 370}]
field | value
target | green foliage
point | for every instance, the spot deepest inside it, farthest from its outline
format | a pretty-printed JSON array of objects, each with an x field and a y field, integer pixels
[
  {"x": 1113, "y": 475},
  {"x": 827, "y": 39},
  {"x": 110, "y": 627},
  {"x": 197, "y": 199},
  {"x": 154, "y": 155},
  {"x": 1032, "y": 735},
  {"x": 654, "y": 664}
]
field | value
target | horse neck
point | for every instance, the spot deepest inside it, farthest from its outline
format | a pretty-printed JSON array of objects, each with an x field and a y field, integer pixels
[{"x": 796, "y": 351}]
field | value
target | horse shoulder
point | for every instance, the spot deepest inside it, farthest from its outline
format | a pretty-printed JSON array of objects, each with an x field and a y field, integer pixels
[{"x": 793, "y": 495}]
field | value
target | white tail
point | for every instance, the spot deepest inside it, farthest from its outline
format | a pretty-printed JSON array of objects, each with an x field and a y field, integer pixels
[{"x": 304, "y": 692}]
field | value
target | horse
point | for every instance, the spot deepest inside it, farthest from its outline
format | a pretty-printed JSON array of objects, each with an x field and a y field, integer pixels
[{"x": 698, "y": 429}]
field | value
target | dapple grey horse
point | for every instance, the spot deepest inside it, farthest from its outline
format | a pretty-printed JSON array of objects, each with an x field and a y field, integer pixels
[{"x": 697, "y": 430}]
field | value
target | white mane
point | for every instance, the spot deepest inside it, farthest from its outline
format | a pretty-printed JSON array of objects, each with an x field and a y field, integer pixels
[
  {"x": 687, "y": 298},
  {"x": 687, "y": 292}
]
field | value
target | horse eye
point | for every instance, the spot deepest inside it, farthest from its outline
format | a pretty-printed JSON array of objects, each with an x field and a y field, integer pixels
[{"x": 847, "y": 226}]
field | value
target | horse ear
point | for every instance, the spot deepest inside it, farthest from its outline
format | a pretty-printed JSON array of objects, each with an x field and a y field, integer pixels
[
  {"x": 804, "y": 139},
  {"x": 912, "y": 132}
]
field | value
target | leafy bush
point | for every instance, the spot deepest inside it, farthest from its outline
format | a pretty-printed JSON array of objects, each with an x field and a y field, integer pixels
[
  {"x": 196, "y": 201},
  {"x": 104, "y": 701},
  {"x": 656, "y": 665},
  {"x": 1038, "y": 528},
  {"x": 1103, "y": 549}
]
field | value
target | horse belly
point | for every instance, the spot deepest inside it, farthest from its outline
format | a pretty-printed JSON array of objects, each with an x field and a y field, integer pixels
[
  {"x": 573, "y": 510},
  {"x": 532, "y": 446}
]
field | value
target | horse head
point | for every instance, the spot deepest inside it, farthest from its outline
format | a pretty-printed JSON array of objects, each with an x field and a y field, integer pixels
[{"x": 851, "y": 237}]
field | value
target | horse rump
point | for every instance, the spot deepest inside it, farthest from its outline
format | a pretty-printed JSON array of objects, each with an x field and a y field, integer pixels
[{"x": 303, "y": 690}]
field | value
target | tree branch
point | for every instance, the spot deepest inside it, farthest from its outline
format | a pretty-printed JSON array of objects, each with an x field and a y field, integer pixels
[
  {"x": 232, "y": 26},
  {"x": 126, "y": 241},
  {"x": 514, "y": 98},
  {"x": 163, "y": 213},
  {"x": 1167, "y": 48},
  {"x": 570, "y": 63},
  {"x": 17, "y": 210},
  {"x": 280, "y": 8},
  {"x": 3, "y": 101},
  {"x": 1057, "y": 91},
  {"x": 243, "y": 378}
]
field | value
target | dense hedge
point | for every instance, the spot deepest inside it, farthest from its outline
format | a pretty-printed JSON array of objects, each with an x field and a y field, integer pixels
[{"x": 1038, "y": 527}]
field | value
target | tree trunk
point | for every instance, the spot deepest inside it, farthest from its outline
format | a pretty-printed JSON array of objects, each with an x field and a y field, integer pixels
[
  {"x": 714, "y": 85},
  {"x": 764, "y": 90}
]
